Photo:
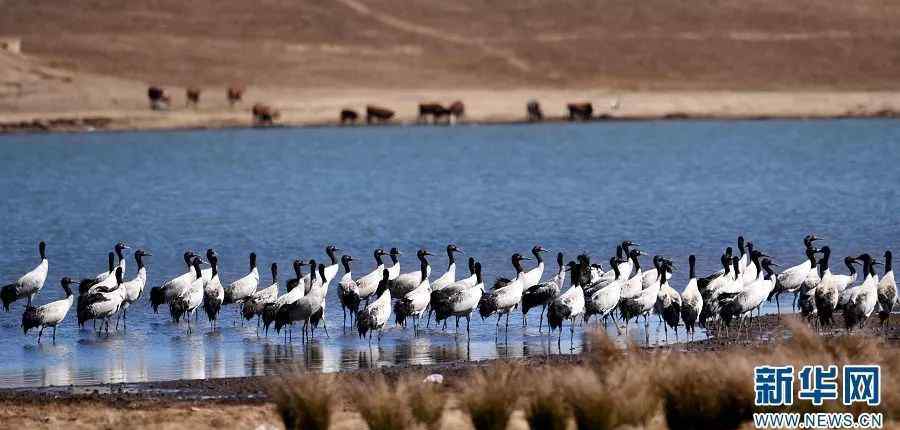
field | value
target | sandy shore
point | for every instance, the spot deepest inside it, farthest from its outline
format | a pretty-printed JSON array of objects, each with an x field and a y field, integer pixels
[
  {"x": 321, "y": 108},
  {"x": 246, "y": 402}
]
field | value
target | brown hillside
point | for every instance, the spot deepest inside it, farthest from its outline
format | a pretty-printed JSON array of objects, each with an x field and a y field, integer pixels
[{"x": 382, "y": 44}]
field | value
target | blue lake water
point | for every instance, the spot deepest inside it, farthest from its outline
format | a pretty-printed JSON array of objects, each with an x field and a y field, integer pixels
[{"x": 677, "y": 188}]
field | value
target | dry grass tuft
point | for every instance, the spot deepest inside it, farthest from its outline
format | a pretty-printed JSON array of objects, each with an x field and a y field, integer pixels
[
  {"x": 601, "y": 350},
  {"x": 610, "y": 401},
  {"x": 382, "y": 406},
  {"x": 426, "y": 401},
  {"x": 305, "y": 401},
  {"x": 490, "y": 395},
  {"x": 546, "y": 407},
  {"x": 701, "y": 393}
]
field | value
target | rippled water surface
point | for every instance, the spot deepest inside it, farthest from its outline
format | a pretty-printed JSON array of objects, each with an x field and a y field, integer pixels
[{"x": 676, "y": 187}]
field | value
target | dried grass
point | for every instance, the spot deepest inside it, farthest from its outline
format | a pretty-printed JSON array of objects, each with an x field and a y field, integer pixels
[
  {"x": 305, "y": 401},
  {"x": 616, "y": 387},
  {"x": 546, "y": 407},
  {"x": 426, "y": 401},
  {"x": 383, "y": 406},
  {"x": 490, "y": 396}
]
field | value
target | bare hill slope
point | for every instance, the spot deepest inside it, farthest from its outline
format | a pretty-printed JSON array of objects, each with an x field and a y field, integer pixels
[{"x": 387, "y": 44}]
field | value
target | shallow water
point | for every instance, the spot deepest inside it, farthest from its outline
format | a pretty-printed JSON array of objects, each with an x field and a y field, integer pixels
[{"x": 675, "y": 187}]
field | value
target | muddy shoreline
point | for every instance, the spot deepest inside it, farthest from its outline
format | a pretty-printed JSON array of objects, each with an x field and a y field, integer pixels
[
  {"x": 76, "y": 124},
  {"x": 253, "y": 389}
]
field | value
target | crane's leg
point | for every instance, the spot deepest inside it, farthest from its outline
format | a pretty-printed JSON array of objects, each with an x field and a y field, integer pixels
[
  {"x": 507, "y": 320},
  {"x": 572, "y": 335},
  {"x": 778, "y": 304},
  {"x": 40, "y": 333},
  {"x": 541, "y": 320},
  {"x": 344, "y": 322},
  {"x": 54, "y": 335}
]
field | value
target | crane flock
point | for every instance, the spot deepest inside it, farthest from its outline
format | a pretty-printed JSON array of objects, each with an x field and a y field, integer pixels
[{"x": 624, "y": 291}]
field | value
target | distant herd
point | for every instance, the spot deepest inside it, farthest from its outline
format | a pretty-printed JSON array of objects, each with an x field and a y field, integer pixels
[{"x": 429, "y": 112}]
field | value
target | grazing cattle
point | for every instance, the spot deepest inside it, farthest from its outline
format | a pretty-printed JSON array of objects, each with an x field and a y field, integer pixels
[
  {"x": 235, "y": 94},
  {"x": 159, "y": 100},
  {"x": 192, "y": 95},
  {"x": 378, "y": 113},
  {"x": 264, "y": 114},
  {"x": 535, "y": 114},
  {"x": 349, "y": 116},
  {"x": 582, "y": 111},
  {"x": 434, "y": 110},
  {"x": 457, "y": 109}
]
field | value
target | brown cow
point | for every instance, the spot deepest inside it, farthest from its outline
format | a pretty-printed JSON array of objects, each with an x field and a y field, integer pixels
[
  {"x": 159, "y": 100},
  {"x": 235, "y": 94},
  {"x": 582, "y": 111},
  {"x": 349, "y": 116},
  {"x": 378, "y": 113},
  {"x": 535, "y": 114},
  {"x": 192, "y": 95},
  {"x": 457, "y": 109},
  {"x": 432, "y": 109},
  {"x": 264, "y": 114}
]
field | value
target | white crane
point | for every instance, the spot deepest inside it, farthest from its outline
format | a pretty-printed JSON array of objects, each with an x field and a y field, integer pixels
[
  {"x": 239, "y": 291},
  {"x": 256, "y": 302},
  {"x": 533, "y": 277},
  {"x": 709, "y": 287},
  {"x": 368, "y": 284},
  {"x": 506, "y": 294},
  {"x": 449, "y": 277},
  {"x": 118, "y": 251},
  {"x": 860, "y": 301},
  {"x": 668, "y": 304},
  {"x": 830, "y": 287},
  {"x": 407, "y": 282},
  {"x": 319, "y": 315},
  {"x": 394, "y": 270},
  {"x": 29, "y": 284},
  {"x": 331, "y": 270},
  {"x": 300, "y": 279},
  {"x": 543, "y": 293},
  {"x": 642, "y": 303},
  {"x": 348, "y": 291},
  {"x": 691, "y": 300},
  {"x": 806, "y": 300},
  {"x": 375, "y": 315},
  {"x": 50, "y": 314},
  {"x": 213, "y": 292},
  {"x": 101, "y": 305},
  {"x": 887, "y": 290},
  {"x": 751, "y": 297},
  {"x": 185, "y": 304},
  {"x": 134, "y": 289},
  {"x": 413, "y": 304},
  {"x": 791, "y": 279},
  {"x": 297, "y": 288},
  {"x": 165, "y": 292},
  {"x": 441, "y": 304},
  {"x": 305, "y": 308},
  {"x": 567, "y": 306},
  {"x": 603, "y": 301},
  {"x": 463, "y": 301},
  {"x": 651, "y": 276},
  {"x": 634, "y": 284}
]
